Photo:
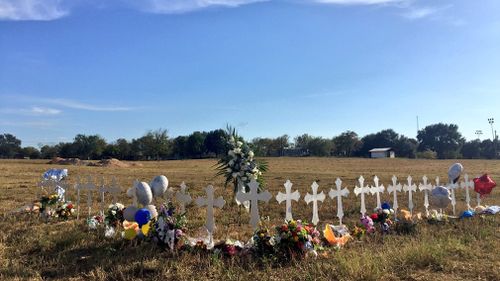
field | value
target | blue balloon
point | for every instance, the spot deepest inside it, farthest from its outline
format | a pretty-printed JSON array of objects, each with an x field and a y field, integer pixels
[
  {"x": 467, "y": 214},
  {"x": 386, "y": 205},
  {"x": 142, "y": 216}
]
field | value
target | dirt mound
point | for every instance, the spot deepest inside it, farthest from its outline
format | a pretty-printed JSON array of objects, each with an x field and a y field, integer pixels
[
  {"x": 112, "y": 163},
  {"x": 67, "y": 161}
]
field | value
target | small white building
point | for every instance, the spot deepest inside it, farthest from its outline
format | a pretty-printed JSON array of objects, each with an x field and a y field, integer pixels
[{"x": 384, "y": 152}]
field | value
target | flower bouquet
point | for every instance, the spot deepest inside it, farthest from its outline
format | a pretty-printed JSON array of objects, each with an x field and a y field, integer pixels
[
  {"x": 48, "y": 201},
  {"x": 296, "y": 239},
  {"x": 262, "y": 243},
  {"x": 114, "y": 215},
  {"x": 64, "y": 211},
  {"x": 168, "y": 228}
]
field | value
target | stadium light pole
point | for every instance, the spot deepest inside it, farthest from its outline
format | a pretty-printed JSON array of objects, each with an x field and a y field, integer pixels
[{"x": 492, "y": 121}]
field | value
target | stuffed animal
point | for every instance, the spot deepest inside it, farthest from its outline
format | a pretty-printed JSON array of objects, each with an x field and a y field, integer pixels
[{"x": 368, "y": 223}]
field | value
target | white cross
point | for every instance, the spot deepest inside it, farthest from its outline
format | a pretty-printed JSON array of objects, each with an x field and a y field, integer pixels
[
  {"x": 89, "y": 187},
  {"x": 210, "y": 203},
  {"x": 377, "y": 189},
  {"x": 113, "y": 189},
  {"x": 437, "y": 181},
  {"x": 425, "y": 187},
  {"x": 452, "y": 186},
  {"x": 183, "y": 197},
  {"x": 410, "y": 187},
  {"x": 362, "y": 189},
  {"x": 466, "y": 184},
  {"x": 339, "y": 192},
  {"x": 315, "y": 197},
  {"x": 48, "y": 185},
  {"x": 394, "y": 188},
  {"x": 254, "y": 196},
  {"x": 288, "y": 196}
]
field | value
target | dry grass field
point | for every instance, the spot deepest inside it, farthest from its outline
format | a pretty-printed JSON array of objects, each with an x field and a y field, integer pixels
[{"x": 460, "y": 250}]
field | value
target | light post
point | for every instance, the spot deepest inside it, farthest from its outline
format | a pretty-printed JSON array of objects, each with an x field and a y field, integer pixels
[{"x": 492, "y": 121}]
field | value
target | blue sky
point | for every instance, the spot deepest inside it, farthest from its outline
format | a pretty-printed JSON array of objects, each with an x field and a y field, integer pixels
[{"x": 119, "y": 68}]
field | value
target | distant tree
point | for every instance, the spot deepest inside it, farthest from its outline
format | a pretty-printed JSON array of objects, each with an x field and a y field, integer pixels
[
  {"x": 472, "y": 149},
  {"x": 195, "y": 144},
  {"x": 10, "y": 146},
  {"x": 179, "y": 147},
  {"x": 124, "y": 149},
  {"x": 155, "y": 144},
  {"x": 444, "y": 139},
  {"x": 89, "y": 147},
  {"x": 30, "y": 152},
  {"x": 302, "y": 141},
  {"x": 262, "y": 147},
  {"x": 319, "y": 146},
  {"x": 67, "y": 150},
  {"x": 281, "y": 143},
  {"x": 216, "y": 142},
  {"x": 49, "y": 151},
  {"x": 406, "y": 147},
  {"x": 384, "y": 138},
  {"x": 346, "y": 144},
  {"x": 487, "y": 149},
  {"x": 111, "y": 151}
]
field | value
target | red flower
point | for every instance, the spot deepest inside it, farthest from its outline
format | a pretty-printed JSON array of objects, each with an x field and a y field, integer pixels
[
  {"x": 374, "y": 216},
  {"x": 284, "y": 228},
  {"x": 70, "y": 206}
]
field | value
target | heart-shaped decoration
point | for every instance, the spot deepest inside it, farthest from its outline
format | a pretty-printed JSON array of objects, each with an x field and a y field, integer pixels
[{"x": 483, "y": 185}]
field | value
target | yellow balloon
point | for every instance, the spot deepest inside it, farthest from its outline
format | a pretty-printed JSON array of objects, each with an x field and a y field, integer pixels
[
  {"x": 145, "y": 229},
  {"x": 129, "y": 234}
]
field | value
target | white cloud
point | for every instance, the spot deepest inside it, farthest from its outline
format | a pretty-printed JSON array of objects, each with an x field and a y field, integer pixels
[
  {"x": 34, "y": 111},
  {"x": 45, "y": 111},
  {"x": 418, "y": 13},
  {"x": 184, "y": 6},
  {"x": 359, "y": 2},
  {"x": 86, "y": 106},
  {"x": 41, "y": 10}
]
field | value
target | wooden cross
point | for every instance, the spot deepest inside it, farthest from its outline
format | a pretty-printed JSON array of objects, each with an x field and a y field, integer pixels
[
  {"x": 315, "y": 197},
  {"x": 394, "y": 188},
  {"x": 113, "y": 189},
  {"x": 466, "y": 184},
  {"x": 452, "y": 186},
  {"x": 425, "y": 187},
  {"x": 183, "y": 197},
  {"x": 89, "y": 187},
  {"x": 410, "y": 188},
  {"x": 362, "y": 189},
  {"x": 288, "y": 197},
  {"x": 210, "y": 203},
  {"x": 339, "y": 192},
  {"x": 254, "y": 196},
  {"x": 377, "y": 189}
]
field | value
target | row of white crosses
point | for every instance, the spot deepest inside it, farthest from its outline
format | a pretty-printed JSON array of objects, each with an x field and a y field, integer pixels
[{"x": 89, "y": 186}]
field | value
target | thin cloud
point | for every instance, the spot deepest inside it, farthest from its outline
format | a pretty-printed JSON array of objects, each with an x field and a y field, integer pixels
[
  {"x": 36, "y": 10},
  {"x": 185, "y": 6},
  {"x": 86, "y": 106},
  {"x": 359, "y": 2},
  {"x": 33, "y": 111},
  {"x": 419, "y": 13},
  {"x": 29, "y": 124}
]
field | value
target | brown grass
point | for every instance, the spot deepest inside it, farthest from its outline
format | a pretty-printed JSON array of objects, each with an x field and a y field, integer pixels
[{"x": 459, "y": 250}]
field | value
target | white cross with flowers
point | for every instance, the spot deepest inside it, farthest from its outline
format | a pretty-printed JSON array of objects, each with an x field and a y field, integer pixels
[
  {"x": 377, "y": 189},
  {"x": 254, "y": 196},
  {"x": 210, "y": 203},
  {"x": 183, "y": 197},
  {"x": 112, "y": 189},
  {"x": 362, "y": 189},
  {"x": 425, "y": 187},
  {"x": 410, "y": 188},
  {"x": 315, "y": 197},
  {"x": 89, "y": 186},
  {"x": 394, "y": 188},
  {"x": 288, "y": 197},
  {"x": 339, "y": 192}
]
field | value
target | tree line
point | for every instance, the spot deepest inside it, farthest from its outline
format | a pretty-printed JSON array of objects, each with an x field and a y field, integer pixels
[{"x": 440, "y": 141}]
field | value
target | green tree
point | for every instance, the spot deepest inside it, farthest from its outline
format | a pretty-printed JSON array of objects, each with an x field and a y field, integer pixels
[
  {"x": 216, "y": 142},
  {"x": 49, "y": 151},
  {"x": 472, "y": 149},
  {"x": 9, "y": 146},
  {"x": 179, "y": 147},
  {"x": 346, "y": 144},
  {"x": 30, "y": 152},
  {"x": 195, "y": 144},
  {"x": 89, "y": 147},
  {"x": 444, "y": 139}
]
